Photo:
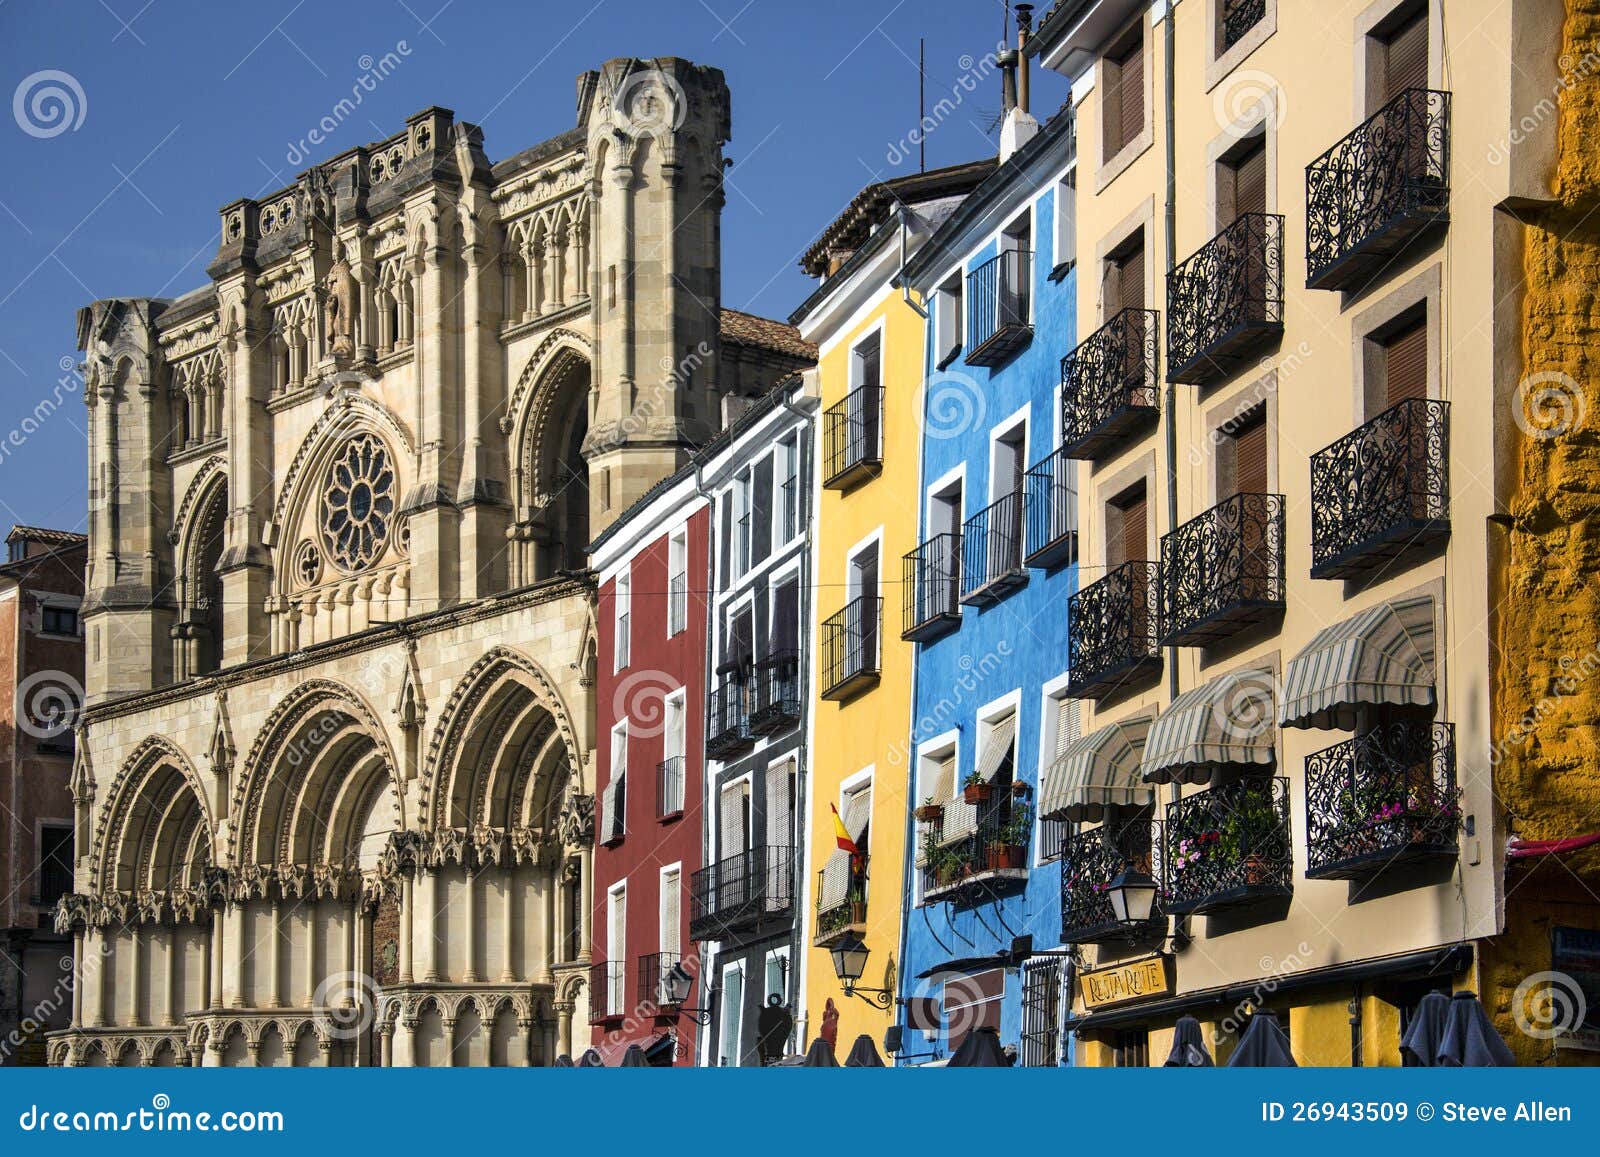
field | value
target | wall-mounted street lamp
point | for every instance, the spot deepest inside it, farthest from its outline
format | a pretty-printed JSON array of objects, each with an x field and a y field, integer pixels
[
  {"x": 675, "y": 985},
  {"x": 849, "y": 954},
  {"x": 1133, "y": 896}
]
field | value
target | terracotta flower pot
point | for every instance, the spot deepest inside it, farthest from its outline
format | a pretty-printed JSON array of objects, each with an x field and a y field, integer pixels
[{"x": 976, "y": 793}]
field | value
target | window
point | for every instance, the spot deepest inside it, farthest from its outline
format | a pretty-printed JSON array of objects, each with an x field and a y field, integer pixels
[
  {"x": 55, "y": 863},
  {"x": 616, "y": 949},
  {"x": 677, "y": 582},
  {"x": 1041, "y": 1011},
  {"x": 672, "y": 758},
  {"x": 731, "y": 1029},
  {"x": 972, "y": 1002},
  {"x": 671, "y": 923},
  {"x": 789, "y": 488},
  {"x": 1242, "y": 461},
  {"x": 1405, "y": 360},
  {"x": 1127, "y": 533},
  {"x": 623, "y": 598},
  {"x": 761, "y": 510},
  {"x": 1235, "y": 18},
  {"x": 1242, "y": 180},
  {"x": 59, "y": 620},
  {"x": 741, "y": 541},
  {"x": 947, "y": 321},
  {"x": 780, "y": 804},
  {"x": 776, "y": 974},
  {"x": 1066, "y": 222},
  {"x": 1403, "y": 54},
  {"x": 1131, "y": 1049},
  {"x": 613, "y": 800},
  {"x": 1124, "y": 277},
  {"x": 1061, "y": 721},
  {"x": 1123, "y": 103},
  {"x": 734, "y": 817}
]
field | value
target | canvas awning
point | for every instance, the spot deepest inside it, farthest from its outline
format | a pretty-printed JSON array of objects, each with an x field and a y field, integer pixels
[
  {"x": 1002, "y": 739},
  {"x": 834, "y": 888},
  {"x": 1224, "y": 723},
  {"x": 1098, "y": 770},
  {"x": 1383, "y": 656}
]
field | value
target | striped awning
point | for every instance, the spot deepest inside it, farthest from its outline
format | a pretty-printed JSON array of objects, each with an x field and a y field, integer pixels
[
  {"x": 1002, "y": 738},
  {"x": 1382, "y": 657},
  {"x": 1225, "y": 723},
  {"x": 1097, "y": 771},
  {"x": 834, "y": 888}
]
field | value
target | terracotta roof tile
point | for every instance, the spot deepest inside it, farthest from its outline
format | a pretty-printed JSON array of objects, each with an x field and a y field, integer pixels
[{"x": 764, "y": 333}]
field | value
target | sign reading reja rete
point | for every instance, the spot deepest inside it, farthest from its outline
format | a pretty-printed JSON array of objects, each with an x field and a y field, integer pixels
[{"x": 1135, "y": 980}]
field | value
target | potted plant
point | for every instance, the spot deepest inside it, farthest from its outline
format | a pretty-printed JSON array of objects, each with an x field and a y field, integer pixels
[
  {"x": 975, "y": 789},
  {"x": 1009, "y": 848},
  {"x": 1019, "y": 789},
  {"x": 1249, "y": 829},
  {"x": 929, "y": 812}
]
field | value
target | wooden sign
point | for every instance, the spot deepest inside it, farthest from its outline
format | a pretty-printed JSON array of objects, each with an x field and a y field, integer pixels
[{"x": 1136, "y": 980}]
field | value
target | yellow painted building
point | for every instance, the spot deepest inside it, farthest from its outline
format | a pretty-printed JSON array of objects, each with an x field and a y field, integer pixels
[{"x": 870, "y": 358}]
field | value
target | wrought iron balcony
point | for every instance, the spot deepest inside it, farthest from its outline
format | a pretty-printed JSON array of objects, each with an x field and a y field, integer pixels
[
  {"x": 1239, "y": 17},
  {"x": 1052, "y": 512},
  {"x": 999, "y": 316},
  {"x": 852, "y": 438},
  {"x": 990, "y": 862},
  {"x": 1382, "y": 490},
  {"x": 1112, "y": 631},
  {"x": 850, "y": 913},
  {"x": 991, "y": 551},
  {"x": 1386, "y": 797},
  {"x": 932, "y": 585},
  {"x": 1223, "y": 571},
  {"x": 649, "y": 992},
  {"x": 1226, "y": 301},
  {"x": 776, "y": 702},
  {"x": 728, "y": 720},
  {"x": 1227, "y": 846},
  {"x": 1109, "y": 391},
  {"x": 1375, "y": 190},
  {"x": 608, "y": 991},
  {"x": 669, "y": 787},
  {"x": 1089, "y": 862},
  {"x": 741, "y": 892},
  {"x": 850, "y": 648}
]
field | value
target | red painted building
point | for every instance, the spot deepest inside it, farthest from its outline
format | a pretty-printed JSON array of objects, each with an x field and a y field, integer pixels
[{"x": 649, "y": 718}]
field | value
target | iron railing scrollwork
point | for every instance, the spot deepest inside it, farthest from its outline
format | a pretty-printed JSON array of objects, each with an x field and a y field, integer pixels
[
  {"x": 1238, "y": 18},
  {"x": 991, "y": 548},
  {"x": 1380, "y": 185},
  {"x": 1227, "y": 845},
  {"x": 1387, "y": 796},
  {"x": 1112, "y": 630},
  {"x": 1089, "y": 862},
  {"x": 851, "y": 645},
  {"x": 1381, "y": 489},
  {"x": 1222, "y": 570},
  {"x": 986, "y": 862},
  {"x": 1108, "y": 384},
  {"x": 852, "y": 433},
  {"x": 932, "y": 585},
  {"x": 1225, "y": 299}
]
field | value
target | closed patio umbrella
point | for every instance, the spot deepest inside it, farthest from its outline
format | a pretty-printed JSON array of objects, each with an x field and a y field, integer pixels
[
  {"x": 590, "y": 1060},
  {"x": 863, "y": 1054},
  {"x": 980, "y": 1050},
  {"x": 1188, "y": 1047},
  {"x": 1470, "y": 1041},
  {"x": 1264, "y": 1045},
  {"x": 820, "y": 1056},
  {"x": 562, "y": 1062},
  {"x": 634, "y": 1058},
  {"x": 1419, "y": 1047}
]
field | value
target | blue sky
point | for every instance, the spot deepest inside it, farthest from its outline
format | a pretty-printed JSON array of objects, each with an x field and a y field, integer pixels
[{"x": 187, "y": 106}]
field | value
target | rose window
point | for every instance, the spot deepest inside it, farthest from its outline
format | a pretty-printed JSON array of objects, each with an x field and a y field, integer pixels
[{"x": 358, "y": 503}]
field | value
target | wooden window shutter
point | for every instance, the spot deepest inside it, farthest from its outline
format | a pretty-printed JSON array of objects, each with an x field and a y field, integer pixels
[
  {"x": 1250, "y": 456},
  {"x": 1405, "y": 57},
  {"x": 1130, "y": 276},
  {"x": 1066, "y": 723},
  {"x": 779, "y": 804},
  {"x": 1250, "y": 182},
  {"x": 784, "y": 633},
  {"x": 1134, "y": 547},
  {"x": 1405, "y": 364},
  {"x": 734, "y": 835},
  {"x": 1111, "y": 111},
  {"x": 761, "y": 515},
  {"x": 671, "y": 909},
  {"x": 1114, "y": 540},
  {"x": 1131, "y": 84}
]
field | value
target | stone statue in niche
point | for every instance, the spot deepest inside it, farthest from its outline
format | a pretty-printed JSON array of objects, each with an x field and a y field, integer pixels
[{"x": 339, "y": 306}]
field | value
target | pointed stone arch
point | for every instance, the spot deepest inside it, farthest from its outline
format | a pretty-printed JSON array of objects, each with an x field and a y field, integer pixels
[{"x": 154, "y": 824}]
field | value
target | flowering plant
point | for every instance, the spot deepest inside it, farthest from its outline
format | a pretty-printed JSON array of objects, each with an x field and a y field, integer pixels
[{"x": 1193, "y": 849}]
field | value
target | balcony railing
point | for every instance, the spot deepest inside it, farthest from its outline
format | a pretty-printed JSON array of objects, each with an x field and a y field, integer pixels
[
  {"x": 1226, "y": 301},
  {"x": 852, "y": 435},
  {"x": 1386, "y": 797},
  {"x": 1223, "y": 571},
  {"x": 991, "y": 551},
  {"x": 728, "y": 720},
  {"x": 849, "y": 914},
  {"x": 1112, "y": 639},
  {"x": 1239, "y": 17},
  {"x": 932, "y": 585},
  {"x": 1052, "y": 512},
  {"x": 1089, "y": 862},
  {"x": 776, "y": 702},
  {"x": 1228, "y": 845},
  {"x": 1381, "y": 490},
  {"x": 990, "y": 862},
  {"x": 677, "y": 603},
  {"x": 741, "y": 892},
  {"x": 1109, "y": 391},
  {"x": 850, "y": 648},
  {"x": 999, "y": 317},
  {"x": 652, "y": 968},
  {"x": 608, "y": 990},
  {"x": 669, "y": 787},
  {"x": 1370, "y": 194}
]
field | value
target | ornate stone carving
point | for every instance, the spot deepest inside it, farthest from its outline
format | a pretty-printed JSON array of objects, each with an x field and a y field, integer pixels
[{"x": 575, "y": 825}]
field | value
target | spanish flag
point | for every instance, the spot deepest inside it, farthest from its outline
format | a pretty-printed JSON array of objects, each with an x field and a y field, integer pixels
[{"x": 841, "y": 835}]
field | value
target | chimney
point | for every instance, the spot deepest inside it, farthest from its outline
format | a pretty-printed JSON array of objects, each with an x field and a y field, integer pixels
[
  {"x": 1017, "y": 126},
  {"x": 1007, "y": 60},
  {"x": 1024, "y": 34}
]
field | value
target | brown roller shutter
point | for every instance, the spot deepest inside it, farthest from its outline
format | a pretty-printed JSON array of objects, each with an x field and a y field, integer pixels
[
  {"x": 1132, "y": 85},
  {"x": 1405, "y": 364},
  {"x": 1405, "y": 57},
  {"x": 1126, "y": 529},
  {"x": 1130, "y": 275},
  {"x": 1250, "y": 456},
  {"x": 1250, "y": 182}
]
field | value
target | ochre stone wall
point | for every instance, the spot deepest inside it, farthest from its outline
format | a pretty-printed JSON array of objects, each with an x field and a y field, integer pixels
[{"x": 1547, "y": 676}]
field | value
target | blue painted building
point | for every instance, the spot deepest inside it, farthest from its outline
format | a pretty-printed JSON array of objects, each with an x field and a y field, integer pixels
[{"x": 985, "y": 598}]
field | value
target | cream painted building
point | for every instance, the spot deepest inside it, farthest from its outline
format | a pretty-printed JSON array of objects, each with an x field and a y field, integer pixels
[
  {"x": 334, "y": 797},
  {"x": 1296, "y": 400}
]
